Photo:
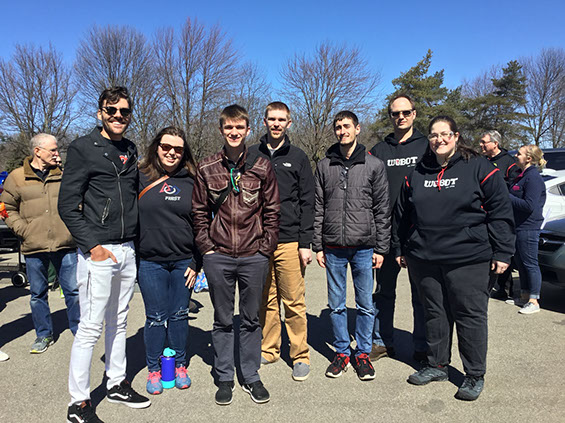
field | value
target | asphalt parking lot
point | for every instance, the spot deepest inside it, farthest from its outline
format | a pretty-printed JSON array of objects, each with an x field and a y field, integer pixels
[{"x": 524, "y": 381}]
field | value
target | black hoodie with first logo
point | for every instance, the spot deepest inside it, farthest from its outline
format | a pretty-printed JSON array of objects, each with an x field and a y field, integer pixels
[{"x": 457, "y": 214}]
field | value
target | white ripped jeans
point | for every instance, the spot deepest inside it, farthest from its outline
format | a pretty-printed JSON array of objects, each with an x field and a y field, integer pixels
[{"x": 105, "y": 290}]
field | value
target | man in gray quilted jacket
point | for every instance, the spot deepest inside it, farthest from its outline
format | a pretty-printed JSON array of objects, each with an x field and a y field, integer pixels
[{"x": 351, "y": 225}]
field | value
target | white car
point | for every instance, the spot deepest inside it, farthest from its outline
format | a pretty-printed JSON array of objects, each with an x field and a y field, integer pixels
[{"x": 554, "y": 207}]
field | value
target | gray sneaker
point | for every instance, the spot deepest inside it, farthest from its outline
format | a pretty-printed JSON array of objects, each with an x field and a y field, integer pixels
[
  {"x": 300, "y": 371},
  {"x": 529, "y": 308},
  {"x": 428, "y": 374},
  {"x": 471, "y": 388},
  {"x": 41, "y": 344}
]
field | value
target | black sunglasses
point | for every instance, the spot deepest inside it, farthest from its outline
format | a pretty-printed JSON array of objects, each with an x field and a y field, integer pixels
[
  {"x": 405, "y": 113},
  {"x": 167, "y": 147},
  {"x": 111, "y": 110}
]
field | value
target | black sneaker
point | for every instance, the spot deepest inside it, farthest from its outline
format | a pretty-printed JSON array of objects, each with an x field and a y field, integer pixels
[
  {"x": 82, "y": 413},
  {"x": 428, "y": 374},
  {"x": 338, "y": 366},
  {"x": 257, "y": 392},
  {"x": 224, "y": 395},
  {"x": 124, "y": 394},
  {"x": 363, "y": 367},
  {"x": 471, "y": 388}
]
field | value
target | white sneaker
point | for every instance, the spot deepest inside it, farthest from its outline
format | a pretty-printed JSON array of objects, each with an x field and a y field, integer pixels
[
  {"x": 4, "y": 356},
  {"x": 529, "y": 308}
]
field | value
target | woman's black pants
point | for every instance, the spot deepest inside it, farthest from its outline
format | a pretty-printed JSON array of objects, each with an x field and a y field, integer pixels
[{"x": 454, "y": 293}]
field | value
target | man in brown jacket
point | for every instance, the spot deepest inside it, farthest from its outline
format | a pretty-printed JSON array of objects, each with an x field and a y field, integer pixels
[
  {"x": 30, "y": 194},
  {"x": 236, "y": 210}
]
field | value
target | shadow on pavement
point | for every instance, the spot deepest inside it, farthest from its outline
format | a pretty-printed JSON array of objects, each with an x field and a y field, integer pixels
[
  {"x": 552, "y": 298},
  {"x": 10, "y": 293},
  {"x": 19, "y": 327}
]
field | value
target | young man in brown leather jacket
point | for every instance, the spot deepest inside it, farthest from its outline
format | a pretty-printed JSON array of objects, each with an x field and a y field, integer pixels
[{"x": 236, "y": 223}]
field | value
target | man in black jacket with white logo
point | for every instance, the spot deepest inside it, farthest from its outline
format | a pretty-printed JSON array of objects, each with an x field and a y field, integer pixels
[
  {"x": 400, "y": 151},
  {"x": 491, "y": 147},
  {"x": 98, "y": 203},
  {"x": 285, "y": 280},
  {"x": 351, "y": 226}
]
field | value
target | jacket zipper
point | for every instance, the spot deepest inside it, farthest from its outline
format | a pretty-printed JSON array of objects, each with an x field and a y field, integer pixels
[
  {"x": 106, "y": 210},
  {"x": 344, "y": 205},
  {"x": 118, "y": 174}
]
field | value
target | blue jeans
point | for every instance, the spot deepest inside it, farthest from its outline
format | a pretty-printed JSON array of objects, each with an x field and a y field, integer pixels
[
  {"x": 361, "y": 262},
  {"x": 384, "y": 302},
  {"x": 166, "y": 301},
  {"x": 527, "y": 260},
  {"x": 37, "y": 266}
]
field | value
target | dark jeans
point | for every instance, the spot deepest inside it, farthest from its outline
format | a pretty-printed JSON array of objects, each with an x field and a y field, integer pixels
[
  {"x": 166, "y": 301},
  {"x": 250, "y": 274},
  {"x": 37, "y": 265},
  {"x": 384, "y": 301},
  {"x": 527, "y": 262},
  {"x": 455, "y": 294}
]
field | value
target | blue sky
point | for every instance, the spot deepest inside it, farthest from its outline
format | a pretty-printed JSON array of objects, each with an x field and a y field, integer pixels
[{"x": 466, "y": 37}]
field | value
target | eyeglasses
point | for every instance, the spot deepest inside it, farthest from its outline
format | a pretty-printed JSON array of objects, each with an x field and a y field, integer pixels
[
  {"x": 443, "y": 135},
  {"x": 405, "y": 113},
  {"x": 52, "y": 151},
  {"x": 483, "y": 142},
  {"x": 111, "y": 110},
  {"x": 167, "y": 147}
]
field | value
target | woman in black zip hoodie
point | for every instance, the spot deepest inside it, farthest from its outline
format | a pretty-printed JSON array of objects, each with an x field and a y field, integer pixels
[
  {"x": 169, "y": 258},
  {"x": 454, "y": 223}
]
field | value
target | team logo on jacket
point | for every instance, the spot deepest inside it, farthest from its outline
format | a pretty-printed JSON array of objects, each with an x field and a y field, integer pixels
[
  {"x": 405, "y": 161},
  {"x": 171, "y": 192},
  {"x": 123, "y": 158},
  {"x": 444, "y": 183}
]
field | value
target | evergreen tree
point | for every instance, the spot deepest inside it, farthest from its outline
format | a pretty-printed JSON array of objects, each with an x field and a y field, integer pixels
[
  {"x": 427, "y": 91},
  {"x": 500, "y": 107}
]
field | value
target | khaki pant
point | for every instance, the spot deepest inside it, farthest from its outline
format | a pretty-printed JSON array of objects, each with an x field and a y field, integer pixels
[{"x": 285, "y": 281}]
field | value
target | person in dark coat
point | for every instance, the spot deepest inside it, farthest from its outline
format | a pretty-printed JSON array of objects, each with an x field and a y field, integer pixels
[
  {"x": 400, "y": 151},
  {"x": 454, "y": 223},
  {"x": 351, "y": 226},
  {"x": 169, "y": 259},
  {"x": 528, "y": 198}
]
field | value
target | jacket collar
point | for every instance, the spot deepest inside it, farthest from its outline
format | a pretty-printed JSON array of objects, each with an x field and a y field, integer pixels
[
  {"x": 245, "y": 162},
  {"x": 335, "y": 156},
  {"x": 416, "y": 135},
  {"x": 30, "y": 174},
  {"x": 502, "y": 153},
  {"x": 284, "y": 149},
  {"x": 429, "y": 162},
  {"x": 100, "y": 141}
]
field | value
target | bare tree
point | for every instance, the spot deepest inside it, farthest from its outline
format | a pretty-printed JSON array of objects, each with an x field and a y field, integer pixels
[
  {"x": 545, "y": 96},
  {"x": 36, "y": 92},
  {"x": 332, "y": 78},
  {"x": 120, "y": 56},
  {"x": 481, "y": 85},
  {"x": 253, "y": 92},
  {"x": 197, "y": 70}
]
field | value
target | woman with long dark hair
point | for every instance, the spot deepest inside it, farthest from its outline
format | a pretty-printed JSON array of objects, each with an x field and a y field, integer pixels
[
  {"x": 454, "y": 223},
  {"x": 169, "y": 259},
  {"x": 528, "y": 198}
]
